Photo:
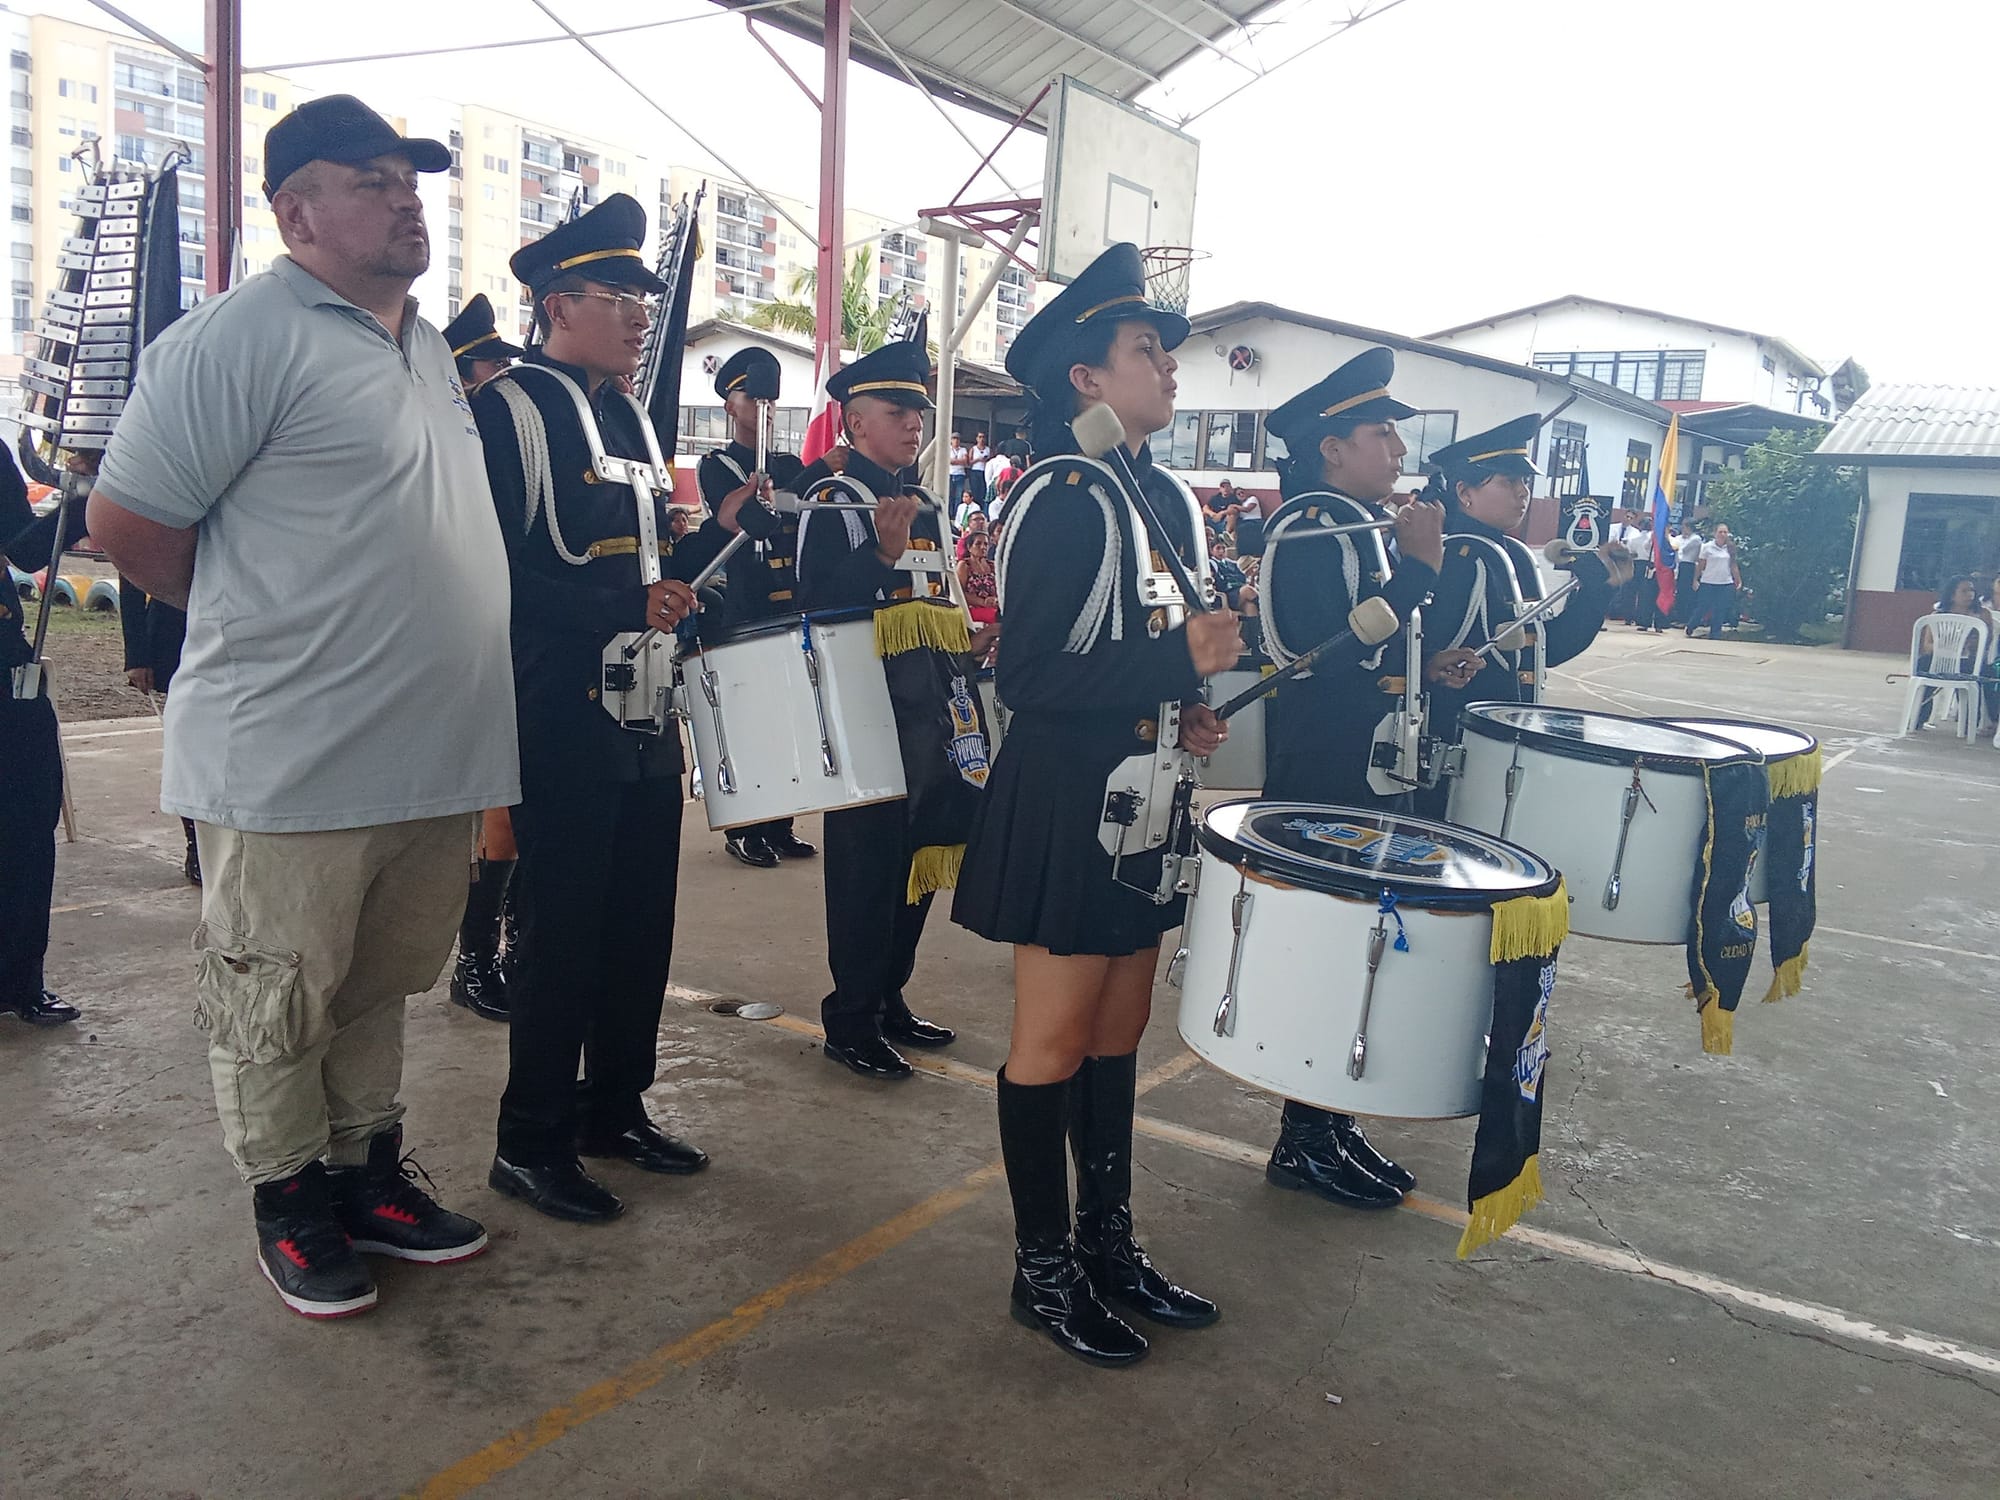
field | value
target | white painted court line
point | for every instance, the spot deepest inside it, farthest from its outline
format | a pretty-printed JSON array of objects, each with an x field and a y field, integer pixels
[
  {"x": 1829, "y": 1320},
  {"x": 112, "y": 734},
  {"x": 1870, "y": 937}
]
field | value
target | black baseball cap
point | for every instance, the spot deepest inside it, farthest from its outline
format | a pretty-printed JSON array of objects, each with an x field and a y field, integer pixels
[{"x": 340, "y": 128}]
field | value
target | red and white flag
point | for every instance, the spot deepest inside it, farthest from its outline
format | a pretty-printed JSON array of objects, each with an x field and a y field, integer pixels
[{"x": 825, "y": 424}]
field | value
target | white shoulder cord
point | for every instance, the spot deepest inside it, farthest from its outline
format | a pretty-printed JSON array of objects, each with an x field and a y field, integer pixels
[
  {"x": 1475, "y": 609},
  {"x": 1105, "y": 599},
  {"x": 538, "y": 478}
]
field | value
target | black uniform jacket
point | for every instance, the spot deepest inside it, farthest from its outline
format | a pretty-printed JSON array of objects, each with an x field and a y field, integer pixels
[
  {"x": 763, "y": 575},
  {"x": 27, "y": 543},
  {"x": 1328, "y": 718},
  {"x": 838, "y": 568},
  {"x": 154, "y": 632},
  {"x": 1055, "y": 546},
  {"x": 1506, "y": 677},
  {"x": 564, "y": 614}
]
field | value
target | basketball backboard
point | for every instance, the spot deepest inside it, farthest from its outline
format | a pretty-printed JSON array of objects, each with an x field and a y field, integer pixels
[{"x": 1114, "y": 172}]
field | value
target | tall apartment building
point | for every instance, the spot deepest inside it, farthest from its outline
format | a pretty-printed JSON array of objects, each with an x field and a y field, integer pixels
[
  {"x": 70, "y": 86},
  {"x": 511, "y": 180},
  {"x": 758, "y": 255}
]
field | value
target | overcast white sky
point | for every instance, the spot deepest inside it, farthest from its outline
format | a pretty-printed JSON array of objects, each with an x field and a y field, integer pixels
[{"x": 1809, "y": 168}]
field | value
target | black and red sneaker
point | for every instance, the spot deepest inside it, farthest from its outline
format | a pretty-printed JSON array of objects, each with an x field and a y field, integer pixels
[
  {"x": 385, "y": 1213},
  {"x": 304, "y": 1253}
]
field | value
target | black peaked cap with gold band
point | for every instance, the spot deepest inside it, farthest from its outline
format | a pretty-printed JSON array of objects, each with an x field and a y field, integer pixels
[
  {"x": 606, "y": 245},
  {"x": 1111, "y": 289},
  {"x": 473, "y": 334},
  {"x": 753, "y": 371},
  {"x": 1499, "y": 450},
  {"x": 1356, "y": 392},
  {"x": 898, "y": 372}
]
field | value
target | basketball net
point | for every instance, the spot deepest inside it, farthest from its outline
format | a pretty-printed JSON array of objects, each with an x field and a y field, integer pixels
[{"x": 1167, "y": 268}]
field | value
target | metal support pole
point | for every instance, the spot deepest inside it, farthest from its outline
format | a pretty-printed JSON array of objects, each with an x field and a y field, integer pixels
[
  {"x": 827, "y": 332},
  {"x": 223, "y": 140},
  {"x": 947, "y": 325}
]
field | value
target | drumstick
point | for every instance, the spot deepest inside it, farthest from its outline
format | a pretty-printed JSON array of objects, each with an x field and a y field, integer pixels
[
  {"x": 1370, "y": 622},
  {"x": 1101, "y": 435},
  {"x": 1515, "y": 636}
]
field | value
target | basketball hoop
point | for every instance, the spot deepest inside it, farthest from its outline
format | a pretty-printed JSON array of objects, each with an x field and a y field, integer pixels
[{"x": 1167, "y": 268}]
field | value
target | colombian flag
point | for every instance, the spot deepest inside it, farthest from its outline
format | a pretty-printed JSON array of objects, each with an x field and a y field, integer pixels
[{"x": 1663, "y": 503}]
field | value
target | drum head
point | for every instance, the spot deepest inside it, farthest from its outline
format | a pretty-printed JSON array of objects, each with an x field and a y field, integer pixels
[
  {"x": 1772, "y": 741},
  {"x": 1349, "y": 851},
  {"x": 750, "y": 630},
  {"x": 1613, "y": 738}
]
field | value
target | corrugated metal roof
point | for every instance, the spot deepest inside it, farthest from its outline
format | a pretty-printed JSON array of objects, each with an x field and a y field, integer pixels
[
  {"x": 1923, "y": 422},
  {"x": 995, "y": 56}
]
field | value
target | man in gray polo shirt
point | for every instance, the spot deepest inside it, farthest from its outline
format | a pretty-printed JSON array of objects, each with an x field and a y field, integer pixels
[{"x": 299, "y": 467}]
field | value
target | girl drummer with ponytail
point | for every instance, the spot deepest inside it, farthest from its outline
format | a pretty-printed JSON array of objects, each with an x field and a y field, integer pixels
[
  {"x": 1085, "y": 665},
  {"x": 1483, "y": 483}
]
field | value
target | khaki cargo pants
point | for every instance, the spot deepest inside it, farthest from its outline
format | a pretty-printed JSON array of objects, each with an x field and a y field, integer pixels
[{"x": 309, "y": 943}]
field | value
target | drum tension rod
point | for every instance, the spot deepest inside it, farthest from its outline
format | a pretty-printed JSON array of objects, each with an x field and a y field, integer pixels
[
  {"x": 1378, "y": 942},
  {"x": 1634, "y": 794},
  {"x": 1239, "y": 918}
]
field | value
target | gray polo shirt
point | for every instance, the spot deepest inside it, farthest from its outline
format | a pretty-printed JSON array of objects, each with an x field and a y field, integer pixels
[{"x": 347, "y": 657}]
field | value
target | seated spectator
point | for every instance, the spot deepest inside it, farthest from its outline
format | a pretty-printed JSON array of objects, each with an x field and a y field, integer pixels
[
  {"x": 975, "y": 577},
  {"x": 1249, "y": 525},
  {"x": 1220, "y": 509},
  {"x": 1958, "y": 597}
]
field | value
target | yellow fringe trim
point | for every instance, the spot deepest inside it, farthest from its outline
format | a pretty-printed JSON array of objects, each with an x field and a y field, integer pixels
[
  {"x": 1718, "y": 1026},
  {"x": 1529, "y": 926},
  {"x": 1496, "y": 1213},
  {"x": 1796, "y": 776},
  {"x": 916, "y": 623},
  {"x": 934, "y": 867},
  {"x": 1789, "y": 977}
]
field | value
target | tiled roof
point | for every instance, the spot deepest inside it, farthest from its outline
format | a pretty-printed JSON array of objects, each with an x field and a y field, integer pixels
[{"x": 1934, "y": 422}]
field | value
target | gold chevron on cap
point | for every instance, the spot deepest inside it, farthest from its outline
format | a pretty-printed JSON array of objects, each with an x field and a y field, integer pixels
[
  {"x": 1498, "y": 453},
  {"x": 1090, "y": 312},
  {"x": 888, "y": 385},
  {"x": 580, "y": 260},
  {"x": 1353, "y": 401},
  {"x": 484, "y": 338}
]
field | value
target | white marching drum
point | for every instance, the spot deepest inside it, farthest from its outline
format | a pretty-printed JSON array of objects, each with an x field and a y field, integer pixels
[
  {"x": 1293, "y": 978},
  {"x": 1619, "y": 805},
  {"x": 792, "y": 716},
  {"x": 1777, "y": 745},
  {"x": 1238, "y": 763}
]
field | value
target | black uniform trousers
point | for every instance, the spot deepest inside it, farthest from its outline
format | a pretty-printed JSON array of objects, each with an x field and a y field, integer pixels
[
  {"x": 30, "y": 808},
  {"x": 599, "y": 874},
  {"x": 871, "y": 927}
]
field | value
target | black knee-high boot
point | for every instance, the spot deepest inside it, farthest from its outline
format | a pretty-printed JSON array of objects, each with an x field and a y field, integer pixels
[
  {"x": 1326, "y": 1153},
  {"x": 1051, "y": 1290},
  {"x": 476, "y": 983},
  {"x": 1101, "y": 1100}
]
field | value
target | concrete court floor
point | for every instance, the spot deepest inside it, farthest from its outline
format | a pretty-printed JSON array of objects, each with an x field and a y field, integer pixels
[{"x": 822, "y": 1313}]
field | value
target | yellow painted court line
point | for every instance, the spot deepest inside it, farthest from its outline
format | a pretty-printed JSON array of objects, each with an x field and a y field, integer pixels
[{"x": 490, "y": 1462}]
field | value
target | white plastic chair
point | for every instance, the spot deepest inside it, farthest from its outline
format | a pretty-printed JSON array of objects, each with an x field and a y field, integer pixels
[{"x": 1958, "y": 691}]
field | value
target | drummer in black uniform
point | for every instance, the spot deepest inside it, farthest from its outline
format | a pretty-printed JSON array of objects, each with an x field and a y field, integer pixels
[
  {"x": 476, "y": 346},
  {"x": 847, "y": 559},
  {"x": 1085, "y": 666},
  {"x": 1483, "y": 483},
  {"x": 31, "y": 782},
  {"x": 1340, "y": 437},
  {"x": 600, "y": 813},
  {"x": 763, "y": 580}
]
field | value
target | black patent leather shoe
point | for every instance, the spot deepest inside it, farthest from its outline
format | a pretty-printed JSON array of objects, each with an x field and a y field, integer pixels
[
  {"x": 1347, "y": 1131},
  {"x": 480, "y": 986},
  {"x": 1124, "y": 1274},
  {"x": 45, "y": 1009},
  {"x": 647, "y": 1147},
  {"x": 562, "y": 1190},
  {"x": 871, "y": 1057},
  {"x": 789, "y": 846},
  {"x": 1052, "y": 1293},
  {"x": 1313, "y": 1162},
  {"x": 915, "y": 1031},
  {"x": 751, "y": 852}
]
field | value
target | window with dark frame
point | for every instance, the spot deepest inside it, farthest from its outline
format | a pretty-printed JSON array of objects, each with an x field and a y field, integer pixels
[
  {"x": 1425, "y": 433},
  {"x": 1638, "y": 469},
  {"x": 1945, "y": 535},
  {"x": 1566, "y": 458},
  {"x": 1650, "y": 374}
]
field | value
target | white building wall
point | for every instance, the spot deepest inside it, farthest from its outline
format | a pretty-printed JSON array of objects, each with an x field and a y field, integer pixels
[
  {"x": 1889, "y": 492},
  {"x": 1733, "y": 369}
]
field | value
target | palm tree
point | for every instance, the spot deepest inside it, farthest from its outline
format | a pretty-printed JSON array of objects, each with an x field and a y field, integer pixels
[{"x": 864, "y": 320}]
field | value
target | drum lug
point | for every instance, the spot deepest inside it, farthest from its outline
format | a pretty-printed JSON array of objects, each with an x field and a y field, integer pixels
[
  {"x": 1451, "y": 761},
  {"x": 1189, "y": 883},
  {"x": 711, "y": 689},
  {"x": 1239, "y": 918},
  {"x": 827, "y": 764},
  {"x": 1177, "y": 966},
  {"x": 1378, "y": 940}
]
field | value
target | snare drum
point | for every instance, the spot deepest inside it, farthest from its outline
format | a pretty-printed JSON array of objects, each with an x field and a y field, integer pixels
[
  {"x": 1289, "y": 900},
  {"x": 791, "y": 716},
  {"x": 1777, "y": 745},
  {"x": 1619, "y": 805},
  {"x": 1238, "y": 763}
]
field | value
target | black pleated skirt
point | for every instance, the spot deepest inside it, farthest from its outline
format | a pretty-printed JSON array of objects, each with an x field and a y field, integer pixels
[{"x": 1034, "y": 870}]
